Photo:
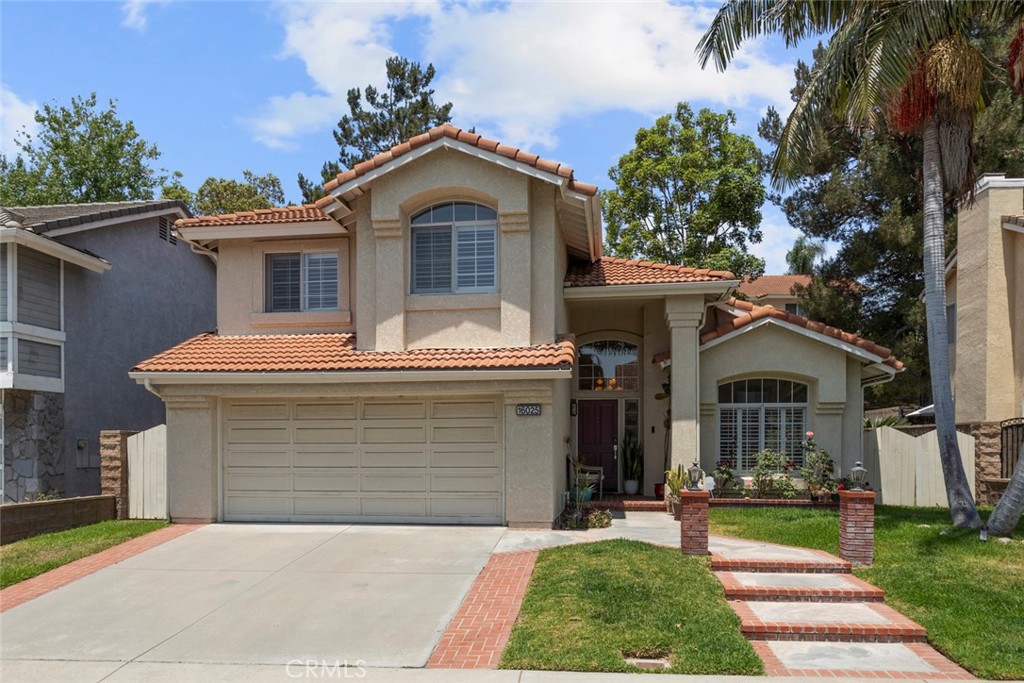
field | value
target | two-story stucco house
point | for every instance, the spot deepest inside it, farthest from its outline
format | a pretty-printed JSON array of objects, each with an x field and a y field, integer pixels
[
  {"x": 778, "y": 291},
  {"x": 85, "y": 291},
  {"x": 428, "y": 341}
]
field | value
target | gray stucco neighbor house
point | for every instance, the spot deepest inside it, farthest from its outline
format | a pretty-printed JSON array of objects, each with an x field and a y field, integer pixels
[{"x": 86, "y": 290}]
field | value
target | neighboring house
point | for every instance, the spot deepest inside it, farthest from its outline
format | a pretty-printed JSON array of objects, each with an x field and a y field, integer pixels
[
  {"x": 779, "y": 291},
  {"x": 85, "y": 291},
  {"x": 427, "y": 343},
  {"x": 985, "y": 320}
]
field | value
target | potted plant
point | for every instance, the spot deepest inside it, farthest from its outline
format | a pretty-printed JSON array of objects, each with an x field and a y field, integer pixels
[
  {"x": 817, "y": 471},
  {"x": 632, "y": 463},
  {"x": 675, "y": 479}
]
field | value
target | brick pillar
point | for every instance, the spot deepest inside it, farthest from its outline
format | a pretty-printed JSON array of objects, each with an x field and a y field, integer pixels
[
  {"x": 857, "y": 526},
  {"x": 693, "y": 522},
  {"x": 114, "y": 467}
]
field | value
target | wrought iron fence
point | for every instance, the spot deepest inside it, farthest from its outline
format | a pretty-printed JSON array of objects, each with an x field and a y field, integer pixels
[{"x": 1012, "y": 437}]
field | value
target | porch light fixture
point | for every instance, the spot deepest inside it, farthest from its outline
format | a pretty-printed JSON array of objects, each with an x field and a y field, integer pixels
[
  {"x": 695, "y": 475},
  {"x": 858, "y": 476}
]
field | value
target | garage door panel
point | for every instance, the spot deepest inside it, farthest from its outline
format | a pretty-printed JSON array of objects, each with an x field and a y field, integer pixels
[
  {"x": 395, "y": 456},
  {"x": 394, "y": 481},
  {"x": 431, "y": 459},
  {"x": 465, "y": 507},
  {"x": 328, "y": 480},
  {"x": 259, "y": 432},
  {"x": 326, "y": 411},
  {"x": 265, "y": 479},
  {"x": 464, "y": 456},
  {"x": 257, "y": 457},
  {"x": 330, "y": 457},
  {"x": 464, "y": 409},
  {"x": 395, "y": 410},
  {"x": 325, "y": 433},
  {"x": 464, "y": 433},
  {"x": 327, "y": 505},
  {"x": 258, "y": 411},
  {"x": 466, "y": 481},
  {"x": 394, "y": 507},
  {"x": 394, "y": 433},
  {"x": 259, "y": 506}
]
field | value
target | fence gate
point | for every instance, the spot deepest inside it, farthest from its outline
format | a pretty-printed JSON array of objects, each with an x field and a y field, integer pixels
[
  {"x": 147, "y": 474},
  {"x": 908, "y": 468}
]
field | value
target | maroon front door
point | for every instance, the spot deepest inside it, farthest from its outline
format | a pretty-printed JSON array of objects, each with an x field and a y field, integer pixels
[{"x": 599, "y": 437}]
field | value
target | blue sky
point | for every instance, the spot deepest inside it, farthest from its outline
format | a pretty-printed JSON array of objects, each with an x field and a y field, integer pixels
[{"x": 225, "y": 86}]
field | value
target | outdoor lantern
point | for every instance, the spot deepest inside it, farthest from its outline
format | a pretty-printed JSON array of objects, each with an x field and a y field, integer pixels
[
  {"x": 858, "y": 476},
  {"x": 695, "y": 475}
]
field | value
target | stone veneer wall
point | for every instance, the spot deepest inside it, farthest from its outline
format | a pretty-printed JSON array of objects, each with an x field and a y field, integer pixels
[
  {"x": 33, "y": 444},
  {"x": 987, "y": 446}
]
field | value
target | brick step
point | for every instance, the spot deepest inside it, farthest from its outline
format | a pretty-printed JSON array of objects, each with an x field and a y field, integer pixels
[
  {"x": 630, "y": 504},
  {"x": 817, "y": 566},
  {"x": 825, "y": 621},
  {"x": 797, "y": 587}
]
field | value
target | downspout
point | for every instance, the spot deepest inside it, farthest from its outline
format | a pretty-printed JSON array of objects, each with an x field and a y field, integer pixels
[
  {"x": 197, "y": 248},
  {"x": 148, "y": 386}
]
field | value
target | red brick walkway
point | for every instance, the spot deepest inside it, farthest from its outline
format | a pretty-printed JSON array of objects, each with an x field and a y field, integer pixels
[
  {"x": 477, "y": 635},
  {"x": 30, "y": 589}
]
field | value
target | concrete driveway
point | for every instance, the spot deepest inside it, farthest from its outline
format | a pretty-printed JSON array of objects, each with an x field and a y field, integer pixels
[{"x": 256, "y": 594}]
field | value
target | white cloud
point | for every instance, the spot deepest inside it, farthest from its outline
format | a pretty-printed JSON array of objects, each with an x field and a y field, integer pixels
[
  {"x": 517, "y": 70},
  {"x": 15, "y": 115},
  {"x": 135, "y": 13},
  {"x": 779, "y": 237}
]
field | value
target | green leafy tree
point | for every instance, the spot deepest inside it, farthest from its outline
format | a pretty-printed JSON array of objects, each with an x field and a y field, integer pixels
[
  {"x": 913, "y": 66},
  {"x": 175, "y": 189},
  {"x": 689, "y": 193},
  {"x": 224, "y": 195},
  {"x": 805, "y": 255},
  {"x": 81, "y": 154},
  {"x": 403, "y": 109}
]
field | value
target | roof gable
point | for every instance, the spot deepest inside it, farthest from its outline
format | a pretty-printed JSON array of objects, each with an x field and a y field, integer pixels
[{"x": 69, "y": 217}]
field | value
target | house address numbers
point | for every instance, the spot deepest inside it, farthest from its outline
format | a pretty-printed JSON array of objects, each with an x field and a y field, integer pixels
[{"x": 527, "y": 409}]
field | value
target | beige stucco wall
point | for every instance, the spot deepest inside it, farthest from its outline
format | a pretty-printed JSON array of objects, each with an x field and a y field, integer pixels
[
  {"x": 990, "y": 359},
  {"x": 534, "y": 466},
  {"x": 240, "y": 288},
  {"x": 524, "y": 309},
  {"x": 835, "y": 407}
]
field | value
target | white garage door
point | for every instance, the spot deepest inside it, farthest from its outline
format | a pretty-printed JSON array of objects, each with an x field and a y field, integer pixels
[{"x": 436, "y": 460}]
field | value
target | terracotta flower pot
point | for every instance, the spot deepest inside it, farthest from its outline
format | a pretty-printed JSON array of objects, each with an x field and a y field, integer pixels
[{"x": 659, "y": 491}]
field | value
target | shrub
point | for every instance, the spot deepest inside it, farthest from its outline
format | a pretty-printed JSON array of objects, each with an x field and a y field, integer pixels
[{"x": 772, "y": 475}]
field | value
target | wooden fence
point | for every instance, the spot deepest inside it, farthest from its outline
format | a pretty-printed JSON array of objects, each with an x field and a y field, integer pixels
[
  {"x": 147, "y": 474},
  {"x": 905, "y": 469}
]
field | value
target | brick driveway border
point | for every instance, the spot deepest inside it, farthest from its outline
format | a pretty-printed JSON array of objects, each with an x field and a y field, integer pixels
[
  {"x": 477, "y": 635},
  {"x": 58, "y": 577}
]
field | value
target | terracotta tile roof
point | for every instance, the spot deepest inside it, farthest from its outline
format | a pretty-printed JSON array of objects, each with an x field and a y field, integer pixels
[
  {"x": 611, "y": 270},
  {"x": 772, "y": 285},
  {"x": 210, "y": 352},
  {"x": 282, "y": 214},
  {"x": 449, "y": 131},
  {"x": 750, "y": 313},
  {"x": 1015, "y": 220}
]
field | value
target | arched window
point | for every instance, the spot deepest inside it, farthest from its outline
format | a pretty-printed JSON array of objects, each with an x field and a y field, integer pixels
[
  {"x": 609, "y": 365},
  {"x": 754, "y": 414},
  {"x": 454, "y": 249}
]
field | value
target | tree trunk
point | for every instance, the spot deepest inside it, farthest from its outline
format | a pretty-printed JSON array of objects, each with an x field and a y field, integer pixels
[
  {"x": 1008, "y": 510},
  {"x": 958, "y": 491}
]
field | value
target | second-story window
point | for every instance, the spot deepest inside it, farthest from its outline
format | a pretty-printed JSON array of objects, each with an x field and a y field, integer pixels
[
  {"x": 301, "y": 282},
  {"x": 454, "y": 249}
]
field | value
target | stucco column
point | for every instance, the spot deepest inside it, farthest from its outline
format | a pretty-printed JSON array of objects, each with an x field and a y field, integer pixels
[
  {"x": 529, "y": 486},
  {"x": 192, "y": 459},
  {"x": 683, "y": 316},
  {"x": 514, "y": 252},
  {"x": 389, "y": 288}
]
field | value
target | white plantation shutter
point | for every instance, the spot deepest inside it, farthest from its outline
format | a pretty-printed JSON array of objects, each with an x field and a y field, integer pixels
[
  {"x": 284, "y": 285},
  {"x": 475, "y": 258},
  {"x": 431, "y": 260},
  {"x": 321, "y": 282}
]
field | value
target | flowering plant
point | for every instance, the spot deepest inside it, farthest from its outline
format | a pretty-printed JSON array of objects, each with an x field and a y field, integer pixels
[{"x": 818, "y": 468}]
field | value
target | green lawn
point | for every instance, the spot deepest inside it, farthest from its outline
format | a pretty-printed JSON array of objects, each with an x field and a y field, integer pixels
[
  {"x": 968, "y": 594},
  {"x": 32, "y": 556},
  {"x": 589, "y": 604}
]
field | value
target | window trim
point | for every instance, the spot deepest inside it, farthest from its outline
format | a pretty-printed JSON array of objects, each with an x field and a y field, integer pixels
[
  {"x": 453, "y": 227},
  {"x": 303, "y": 285}
]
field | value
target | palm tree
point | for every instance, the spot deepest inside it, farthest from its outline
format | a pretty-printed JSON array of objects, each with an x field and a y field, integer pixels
[
  {"x": 804, "y": 256},
  {"x": 910, "y": 62}
]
